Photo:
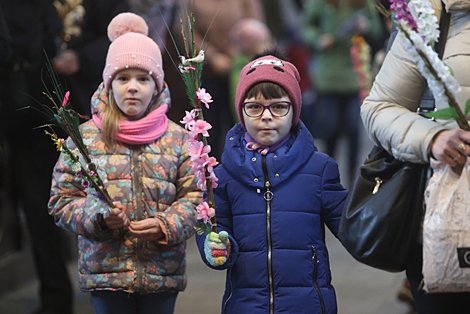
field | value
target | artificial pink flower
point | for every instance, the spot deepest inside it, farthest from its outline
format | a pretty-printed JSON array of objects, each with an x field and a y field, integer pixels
[
  {"x": 197, "y": 149},
  {"x": 199, "y": 163},
  {"x": 204, "y": 97},
  {"x": 200, "y": 127},
  {"x": 188, "y": 120},
  {"x": 85, "y": 183},
  {"x": 201, "y": 182},
  {"x": 204, "y": 211},
  {"x": 214, "y": 180},
  {"x": 66, "y": 98},
  {"x": 91, "y": 173},
  {"x": 212, "y": 162},
  {"x": 80, "y": 175}
]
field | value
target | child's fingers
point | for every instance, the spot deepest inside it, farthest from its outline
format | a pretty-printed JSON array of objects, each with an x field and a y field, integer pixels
[
  {"x": 143, "y": 224},
  {"x": 146, "y": 229},
  {"x": 115, "y": 212},
  {"x": 119, "y": 205},
  {"x": 117, "y": 219}
]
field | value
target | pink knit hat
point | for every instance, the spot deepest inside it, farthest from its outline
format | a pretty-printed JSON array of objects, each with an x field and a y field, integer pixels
[
  {"x": 270, "y": 69},
  {"x": 131, "y": 48}
]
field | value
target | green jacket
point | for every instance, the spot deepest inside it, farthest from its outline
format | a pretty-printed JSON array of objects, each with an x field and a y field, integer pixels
[{"x": 332, "y": 69}]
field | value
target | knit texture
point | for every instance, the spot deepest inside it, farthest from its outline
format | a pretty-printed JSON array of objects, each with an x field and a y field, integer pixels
[
  {"x": 217, "y": 248},
  {"x": 270, "y": 69},
  {"x": 131, "y": 48},
  {"x": 142, "y": 131}
]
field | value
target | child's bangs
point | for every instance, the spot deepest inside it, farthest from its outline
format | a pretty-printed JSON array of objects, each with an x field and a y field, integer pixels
[{"x": 267, "y": 90}]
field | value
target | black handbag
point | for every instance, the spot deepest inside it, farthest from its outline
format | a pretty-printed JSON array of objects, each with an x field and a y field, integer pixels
[{"x": 384, "y": 209}]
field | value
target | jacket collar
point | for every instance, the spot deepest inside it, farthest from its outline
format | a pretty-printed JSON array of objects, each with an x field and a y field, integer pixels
[
  {"x": 457, "y": 5},
  {"x": 246, "y": 165}
]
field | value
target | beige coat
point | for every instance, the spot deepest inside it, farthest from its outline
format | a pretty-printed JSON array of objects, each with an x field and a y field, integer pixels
[{"x": 389, "y": 112}]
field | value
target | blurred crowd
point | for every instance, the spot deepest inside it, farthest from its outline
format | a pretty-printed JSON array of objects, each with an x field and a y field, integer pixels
[{"x": 72, "y": 34}]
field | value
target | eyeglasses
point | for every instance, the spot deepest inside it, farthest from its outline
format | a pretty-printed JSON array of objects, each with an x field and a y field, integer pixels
[{"x": 256, "y": 110}]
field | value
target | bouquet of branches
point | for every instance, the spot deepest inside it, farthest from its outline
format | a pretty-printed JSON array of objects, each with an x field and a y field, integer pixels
[
  {"x": 190, "y": 66},
  {"x": 86, "y": 168},
  {"x": 418, "y": 24}
]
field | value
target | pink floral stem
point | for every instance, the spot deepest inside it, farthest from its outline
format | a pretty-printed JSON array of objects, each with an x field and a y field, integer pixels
[{"x": 210, "y": 193}]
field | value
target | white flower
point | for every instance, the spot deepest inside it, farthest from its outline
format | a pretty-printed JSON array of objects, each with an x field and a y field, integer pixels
[
  {"x": 426, "y": 21},
  {"x": 436, "y": 87},
  {"x": 87, "y": 141},
  {"x": 100, "y": 164},
  {"x": 96, "y": 204},
  {"x": 76, "y": 167}
]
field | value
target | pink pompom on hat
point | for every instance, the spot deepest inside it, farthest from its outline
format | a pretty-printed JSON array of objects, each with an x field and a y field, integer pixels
[
  {"x": 131, "y": 48},
  {"x": 270, "y": 69}
]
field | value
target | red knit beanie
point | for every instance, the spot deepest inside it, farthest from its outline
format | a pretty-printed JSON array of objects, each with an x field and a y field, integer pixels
[{"x": 270, "y": 69}]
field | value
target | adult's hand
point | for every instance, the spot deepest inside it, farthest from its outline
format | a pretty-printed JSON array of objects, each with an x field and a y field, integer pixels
[
  {"x": 66, "y": 63},
  {"x": 451, "y": 146}
]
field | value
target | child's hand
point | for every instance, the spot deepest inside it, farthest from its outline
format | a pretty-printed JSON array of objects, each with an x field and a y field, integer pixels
[
  {"x": 217, "y": 248},
  {"x": 117, "y": 218},
  {"x": 147, "y": 229}
]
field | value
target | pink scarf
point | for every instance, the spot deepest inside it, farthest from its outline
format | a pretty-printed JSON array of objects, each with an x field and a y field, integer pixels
[
  {"x": 142, "y": 131},
  {"x": 252, "y": 144}
]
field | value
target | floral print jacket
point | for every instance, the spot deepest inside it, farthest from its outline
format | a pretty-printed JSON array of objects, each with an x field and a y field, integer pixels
[{"x": 153, "y": 180}]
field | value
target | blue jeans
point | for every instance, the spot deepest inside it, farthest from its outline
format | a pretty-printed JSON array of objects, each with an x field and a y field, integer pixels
[{"x": 117, "y": 302}]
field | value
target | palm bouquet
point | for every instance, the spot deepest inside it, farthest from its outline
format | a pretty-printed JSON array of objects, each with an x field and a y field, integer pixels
[
  {"x": 190, "y": 66},
  {"x": 418, "y": 24},
  {"x": 87, "y": 169}
]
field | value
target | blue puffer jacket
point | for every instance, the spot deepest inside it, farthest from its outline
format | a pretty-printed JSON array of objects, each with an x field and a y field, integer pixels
[{"x": 279, "y": 261}]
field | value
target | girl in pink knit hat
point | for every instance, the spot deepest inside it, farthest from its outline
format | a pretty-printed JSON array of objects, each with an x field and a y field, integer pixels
[
  {"x": 275, "y": 195},
  {"x": 147, "y": 172}
]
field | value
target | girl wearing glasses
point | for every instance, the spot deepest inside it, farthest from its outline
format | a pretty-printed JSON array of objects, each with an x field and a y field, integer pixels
[{"x": 275, "y": 195}]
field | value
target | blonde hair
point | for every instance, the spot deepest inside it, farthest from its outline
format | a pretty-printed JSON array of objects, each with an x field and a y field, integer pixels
[
  {"x": 110, "y": 121},
  {"x": 112, "y": 115}
]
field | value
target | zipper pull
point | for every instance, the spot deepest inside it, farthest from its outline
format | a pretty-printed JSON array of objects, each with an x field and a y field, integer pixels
[
  {"x": 378, "y": 182},
  {"x": 314, "y": 254},
  {"x": 268, "y": 195}
]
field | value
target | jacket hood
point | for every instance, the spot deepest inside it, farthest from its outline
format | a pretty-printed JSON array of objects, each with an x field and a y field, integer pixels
[
  {"x": 100, "y": 100},
  {"x": 247, "y": 166}
]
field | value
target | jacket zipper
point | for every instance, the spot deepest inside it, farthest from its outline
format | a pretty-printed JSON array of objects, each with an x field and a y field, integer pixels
[
  {"x": 268, "y": 196},
  {"x": 139, "y": 215},
  {"x": 315, "y": 274},
  {"x": 231, "y": 289}
]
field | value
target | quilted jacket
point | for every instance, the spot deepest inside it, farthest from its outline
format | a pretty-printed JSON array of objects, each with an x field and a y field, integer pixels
[
  {"x": 389, "y": 112},
  {"x": 279, "y": 261},
  {"x": 152, "y": 180}
]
